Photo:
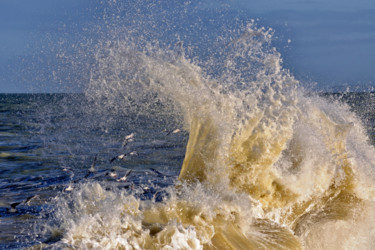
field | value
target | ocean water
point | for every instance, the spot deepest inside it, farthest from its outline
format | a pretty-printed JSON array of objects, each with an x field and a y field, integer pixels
[
  {"x": 50, "y": 141},
  {"x": 172, "y": 196},
  {"x": 164, "y": 149},
  {"x": 48, "y": 144}
]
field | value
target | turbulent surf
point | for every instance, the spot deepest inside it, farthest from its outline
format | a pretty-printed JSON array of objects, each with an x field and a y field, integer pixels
[{"x": 267, "y": 165}]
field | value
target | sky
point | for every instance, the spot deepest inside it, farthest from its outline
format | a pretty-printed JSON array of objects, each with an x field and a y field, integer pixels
[{"x": 330, "y": 43}]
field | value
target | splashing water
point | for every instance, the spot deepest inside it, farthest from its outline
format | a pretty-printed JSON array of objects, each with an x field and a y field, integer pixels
[{"x": 266, "y": 165}]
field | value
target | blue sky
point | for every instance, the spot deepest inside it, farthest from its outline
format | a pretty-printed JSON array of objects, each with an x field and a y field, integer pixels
[{"x": 332, "y": 41}]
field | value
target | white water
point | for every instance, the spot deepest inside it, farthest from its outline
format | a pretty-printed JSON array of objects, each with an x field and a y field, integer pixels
[{"x": 266, "y": 166}]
